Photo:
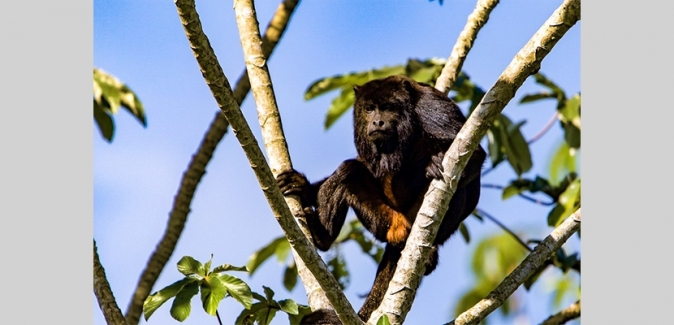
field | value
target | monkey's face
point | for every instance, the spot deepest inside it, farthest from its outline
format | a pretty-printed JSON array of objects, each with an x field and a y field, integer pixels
[{"x": 377, "y": 124}]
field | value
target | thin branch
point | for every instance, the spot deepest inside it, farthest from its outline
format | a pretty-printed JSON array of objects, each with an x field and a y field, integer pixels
[
  {"x": 279, "y": 160},
  {"x": 545, "y": 129},
  {"x": 510, "y": 232},
  {"x": 522, "y": 272},
  {"x": 104, "y": 295},
  {"x": 571, "y": 312},
  {"x": 464, "y": 43},
  {"x": 402, "y": 289},
  {"x": 196, "y": 170},
  {"x": 526, "y": 197}
]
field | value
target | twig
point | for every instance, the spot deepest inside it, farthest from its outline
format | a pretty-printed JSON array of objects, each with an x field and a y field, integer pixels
[
  {"x": 545, "y": 129},
  {"x": 104, "y": 296},
  {"x": 196, "y": 170},
  {"x": 571, "y": 312},
  {"x": 522, "y": 272},
  {"x": 464, "y": 43},
  {"x": 498, "y": 223},
  {"x": 402, "y": 289},
  {"x": 279, "y": 160}
]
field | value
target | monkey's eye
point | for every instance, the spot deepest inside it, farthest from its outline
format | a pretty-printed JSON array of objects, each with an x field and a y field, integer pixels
[{"x": 369, "y": 108}]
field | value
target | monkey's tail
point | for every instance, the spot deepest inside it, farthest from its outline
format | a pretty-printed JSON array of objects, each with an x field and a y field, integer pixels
[{"x": 385, "y": 271}]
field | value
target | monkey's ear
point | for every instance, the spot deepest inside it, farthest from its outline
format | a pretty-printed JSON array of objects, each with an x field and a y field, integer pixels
[{"x": 356, "y": 89}]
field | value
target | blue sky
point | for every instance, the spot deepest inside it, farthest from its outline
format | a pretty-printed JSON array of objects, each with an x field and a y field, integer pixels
[{"x": 137, "y": 176}]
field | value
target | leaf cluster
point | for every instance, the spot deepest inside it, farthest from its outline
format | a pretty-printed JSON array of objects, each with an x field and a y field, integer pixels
[
  {"x": 109, "y": 95},
  {"x": 214, "y": 286}
]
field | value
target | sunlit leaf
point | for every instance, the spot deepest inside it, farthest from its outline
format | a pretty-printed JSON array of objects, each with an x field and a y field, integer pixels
[
  {"x": 238, "y": 289},
  {"x": 111, "y": 93},
  {"x": 229, "y": 267},
  {"x": 289, "y": 306},
  {"x": 181, "y": 303},
  {"x": 188, "y": 265},
  {"x": 155, "y": 300},
  {"x": 282, "y": 250},
  {"x": 263, "y": 254},
  {"x": 563, "y": 161},
  {"x": 207, "y": 266},
  {"x": 212, "y": 292}
]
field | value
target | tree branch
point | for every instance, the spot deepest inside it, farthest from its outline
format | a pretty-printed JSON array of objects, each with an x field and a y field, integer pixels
[
  {"x": 104, "y": 295},
  {"x": 196, "y": 170},
  {"x": 219, "y": 86},
  {"x": 522, "y": 272},
  {"x": 571, "y": 312},
  {"x": 463, "y": 44},
  {"x": 279, "y": 160},
  {"x": 402, "y": 289}
]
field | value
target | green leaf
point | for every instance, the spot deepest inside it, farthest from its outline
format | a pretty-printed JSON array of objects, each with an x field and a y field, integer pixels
[
  {"x": 259, "y": 297},
  {"x": 339, "y": 106},
  {"x": 282, "y": 250},
  {"x": 567, "y": 203},
  {"x": 510, "y": 191},
  {"x": 188, "y": 266},
  {"x": 104, "y": 121},
  {"x": 563, "y": 161},
  {"x": 289, "y": 306},
  {"x": 290, "y": 276},
  {"x": 513, "y": 143},
  {"x": 265, "y": 316},
  {"x": 238, "y": 289},
  {"x": 269, "y": 293},
  {"x": 535, "y": 97},
  {"x": 212, "y": 292},
  {"x": 383, "y": 320},
  {"x": 302, "y": 311},
  {"x": 229, "y": 267},
  {"x": 207, "y": 266},
  {"x": 263, "y": 254},
  {"x": 464, "y": 232},
  {"x": 544, "y": 81},
  {"x": 181, "y": 304},
  {"x": 495, "y": 144},
  {"x": 247, "y": 316},
  {"x": 337, "y": 266},
  {"x": 155, "y": 300},
  {"x": 114, "y": 93},
  {"x": 324, "y": 85}
]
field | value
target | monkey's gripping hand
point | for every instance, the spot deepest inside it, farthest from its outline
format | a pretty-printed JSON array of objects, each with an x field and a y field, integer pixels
[{"x": 295, "y": 183}]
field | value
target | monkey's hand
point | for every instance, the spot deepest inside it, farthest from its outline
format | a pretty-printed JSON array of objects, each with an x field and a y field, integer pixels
[
  {"x": 434, "y": 168},
  {"x": 399, "y": 230},
  {"x": 295, "y": 183}
]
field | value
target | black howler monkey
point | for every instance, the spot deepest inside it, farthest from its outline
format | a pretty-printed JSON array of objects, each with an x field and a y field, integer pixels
[{"x": 402, "y": 130}]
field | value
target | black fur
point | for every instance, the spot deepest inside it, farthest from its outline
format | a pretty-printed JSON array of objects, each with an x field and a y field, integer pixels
[{"x": 401, "y": 132}]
